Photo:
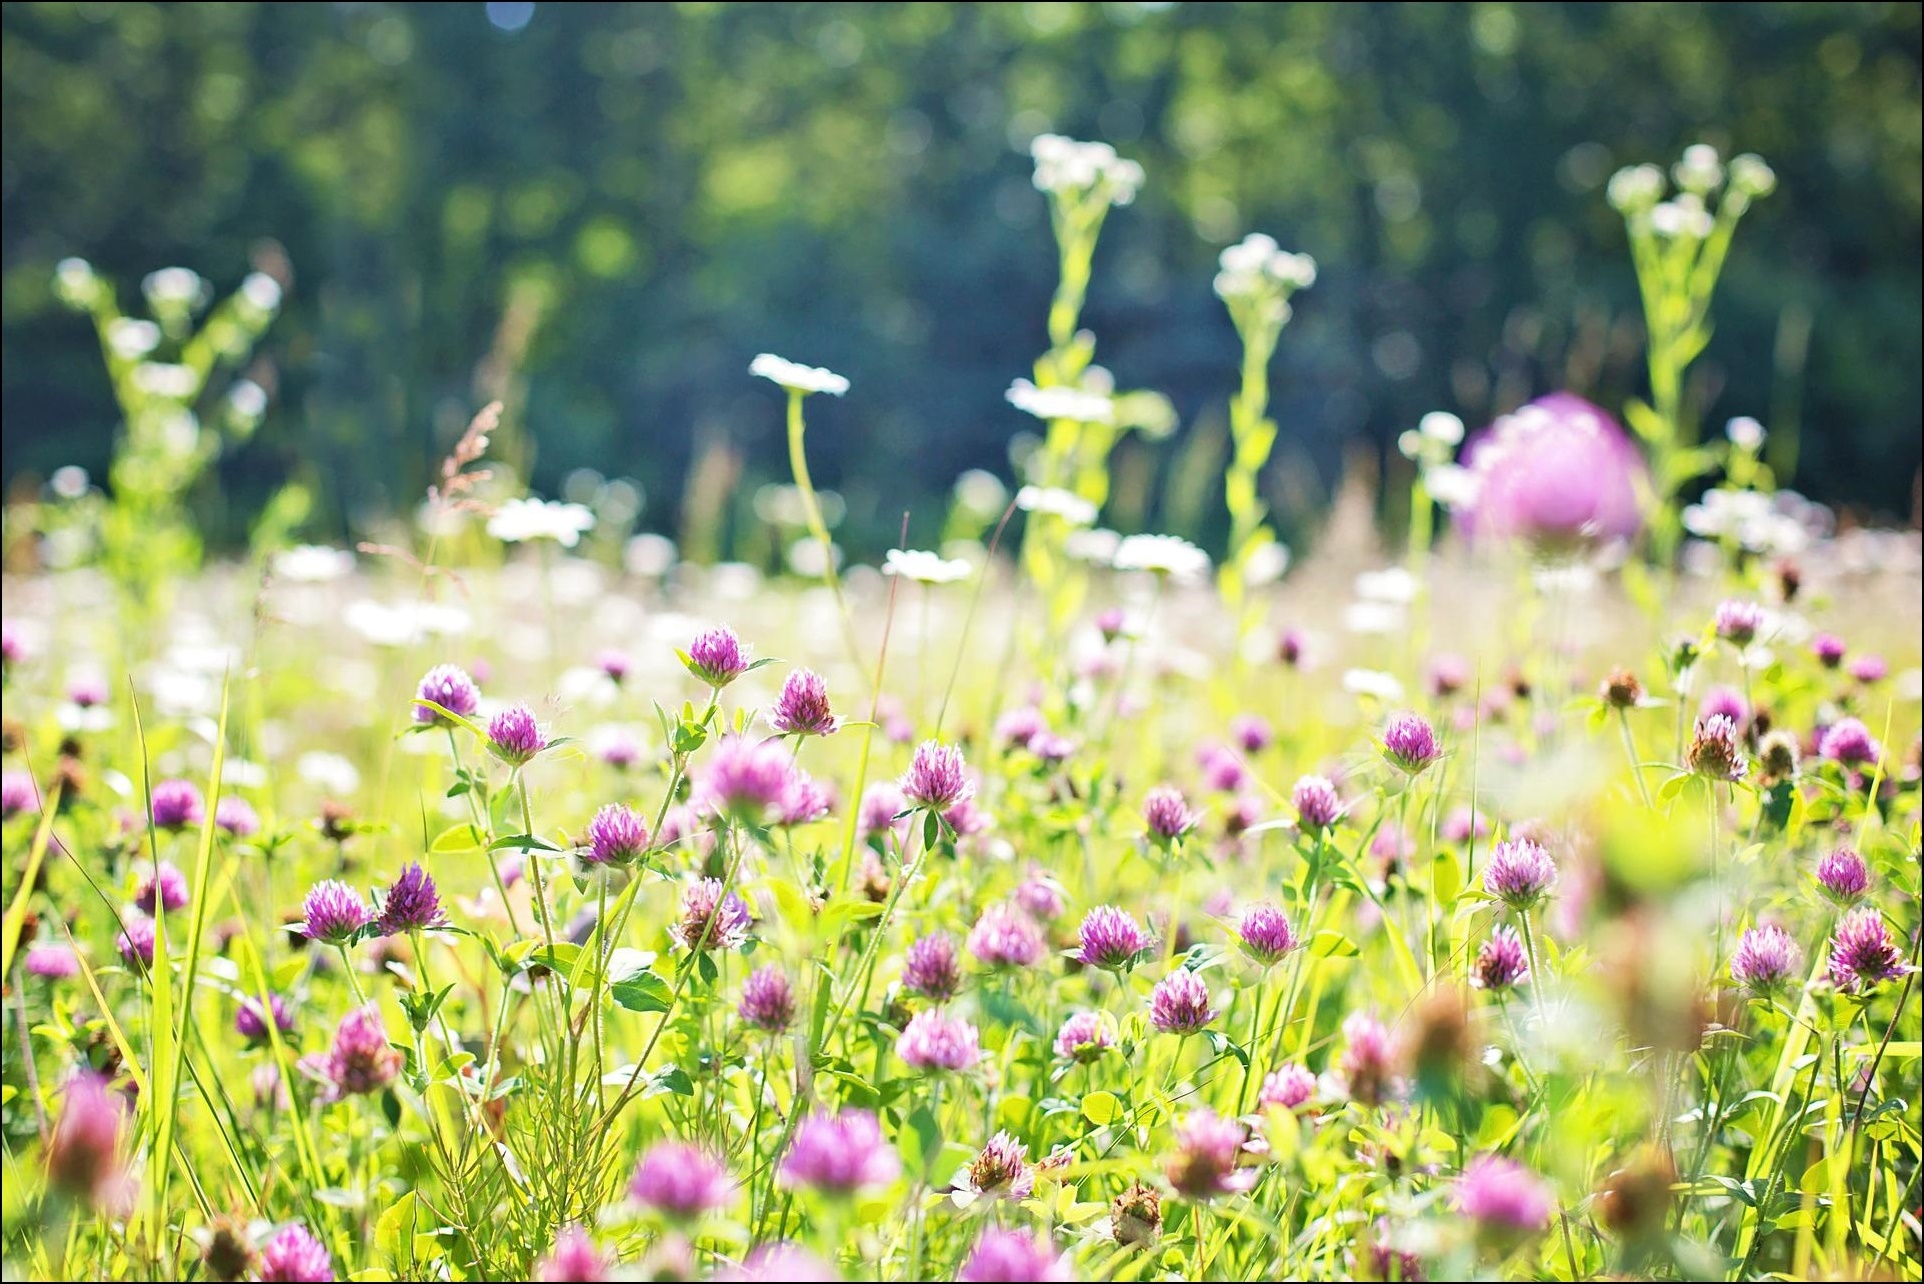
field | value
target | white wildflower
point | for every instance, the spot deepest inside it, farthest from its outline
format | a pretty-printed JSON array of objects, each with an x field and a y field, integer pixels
[
  {"x": 525, "y": 519},
  {"x": 1162, "y": 554},
  {"x": 1061, "y": 403},
  {"x": 925, "y": 567},
  {"x": 313, "y": 563},
  {"x": 796, "y": 377},
  {"x": 1056, "y": 502}
]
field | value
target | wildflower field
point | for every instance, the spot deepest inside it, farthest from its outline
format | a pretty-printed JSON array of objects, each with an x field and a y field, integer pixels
[{"x": 1534, "y": 899}]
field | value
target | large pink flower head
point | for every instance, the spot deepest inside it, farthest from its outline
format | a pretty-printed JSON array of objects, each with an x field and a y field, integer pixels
[
  {"x": 616, "y": 836},
  {"x": 1503, "y": 1197},
  {"x": 1369, "y": 1060},
  {"x": 1289, "y": 1087},
  {"x": 1767, "y": 960},
  {"x": 937, "y": 777},
  {"x": 717, "y": 657},
  {"x": 802, "y": 709},
  {"x": 1558, "y": 472},
  {"x": 1180, "y": 1003},
  {"x": 768, "y": 1002},
  {"x": 710, "y": 920},
  {"x": 680, "y": 1181},
  {"x": 1085, "y": 1036},
  {"x": 840, "y": 1154},
  {"x": 295, "y": 1255},
  {"x": 361, "y": 1059},
  {"x": 83, "y": 1152},
  {"x": 450, "y": 687},
  {"x": 1111, "y": 939},
  {"x": 1006, "y": 937},
  {"x": 161, "y": 884},
  {"x": 745, "y": 778},
  {"x": 574, "y": 1257},
  {"x": 1014, "y": 1255},
  {"x": 932, "y": 970},
  {"x": 1166, "y": 814},
  {"x": 177, "y": 804},
  {"x": 1207, "y": 1162},
  {"x": 1863, "y": 952},
  {"x": 1002, "y": 1170},
  {"x": 938, "y": 1044}
]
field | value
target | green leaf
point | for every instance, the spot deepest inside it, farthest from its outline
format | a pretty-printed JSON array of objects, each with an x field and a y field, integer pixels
[
  {"x": 641, "y": 992},
  {"x": 1101, "y": 1108},
  {"x": 398, "y": 1220},
  {"x": 1331, "y": 943},
  {"x": 921, "y": 1140},
  {"x": 524, "y": 842},
  {"x": 463, "y": 837}
]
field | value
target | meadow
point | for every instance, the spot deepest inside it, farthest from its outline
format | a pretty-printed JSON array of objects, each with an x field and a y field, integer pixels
[{"x": 1535, "y": 897}]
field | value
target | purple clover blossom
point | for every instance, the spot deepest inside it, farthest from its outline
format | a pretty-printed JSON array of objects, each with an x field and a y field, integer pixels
[
  {"x": 13, "y": 647},
  {"x": 615, "y": 663},
  {"x": 1448, "y": 674},
  {"x": 250, "y": 1024},
  {"x": 1251, "y": 733},
  {"x": 1738, "y": 621},
  {"x": 1207, "y": 1162},
  {"x": 83, "y": 1151},
  {"x": 1222, "y": 769},
  {"x": 1085, "y": 1036},
  {"x": 1001, "y": 1171},
  {"x": 360, "y": 1060},
  {"x": 783, "y": 1263},
  {"x": 681, "y": 1182},
  {"x": 710, "y": 920},
  {"x": 1410, "y": 744},
  {"x": 1019, "y": 726},
  {"x": 931, "y": 970},
  {"x": 162, "y": 885},
  {"x": 1502, "y": 963},
  {"x": 1728, "y": 701},
  {"x": 802, "y": 708},
  {"x": 449, "y": 686},
  {"x": 1717, "y": 750},
  {"x": 1053, "y": 749},
  {"x": 1869, "y": 669},
  {"x": 1829, "y": 649},
  {"x": 1291, "y": 645},
  {"x": 1014, "y": 1255},
  {"x": 52, "y": 962},
  {"x": 1502, "y": 1196},
  {"x": 1520, "y": 873},
  {"x": 767, "y": 1001},
  {"x": 1557, "y": 472},
  {"x": 717, "y": 657},
  {"x": 882, "y": 802},
  {"x": 412, "y": 903},
  {"x": 1040, "y": 896},
  {"x": 840, "y": 1154},
  {"x": 1179, "y": 1004},
  {"x": 745, "y": 778},
  {"x": 18, "y": 795},
  {"x": 295, "y": 1256},
  {"x": 136, "y": 941},
  {"x": 1863, "y": 953},
  {"x": 1368, "y": 1063},
  {"x": 177, "y": 804},
  {"x": 1319, "y": 808},
  {"x": 1111, "y": 939},
  {"x": 805, "y": 800},
  {"x": 1767, "y": 960},
  {"x": 1850, "y": 742},
  {"x": 1290, "y": 1087},
  {"x": 514, "y": 736},
  {"x": 1167, "y": 814},
  {"x": 574, "y": 1257},
  {"x": 333, "y": 912},
  {"x": 620, "y": 750},
  {"x": 1843, "y": 877},
  {"x": 937, "y": 778},
  {"x": 616, "y": 836},
  {"x": 938, "y": 1044},
  {"x": 1006, "y": 937},
  {"x": 1462, "y": 824},
  {"x": 237, "y": 816},
  {"x": 1265, "y": 934}
]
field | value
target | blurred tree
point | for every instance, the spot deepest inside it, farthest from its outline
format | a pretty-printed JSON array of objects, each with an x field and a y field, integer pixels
[{"x": 602, "y": 212}]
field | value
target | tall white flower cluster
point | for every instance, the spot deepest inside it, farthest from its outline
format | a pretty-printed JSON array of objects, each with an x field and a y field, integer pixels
[
  {"x": 1069, "y": 169},
  {"x": 1257, "y": 268}
]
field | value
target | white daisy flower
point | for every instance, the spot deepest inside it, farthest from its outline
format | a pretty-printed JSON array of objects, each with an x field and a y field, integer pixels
[
  {"x": 1056, "y": 502},
  {"x": 525, "y": 519},
  {"x": 1163, "y": 554},
  {"x": 925, "y": 567},
  {"x": 329, "y": 772},
  {"x": 796, "y": 377},
  {"x": 1061, "y": 403},
  {"x": 1372, "y": 682},
  {"x": 313, "y": 563}
]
